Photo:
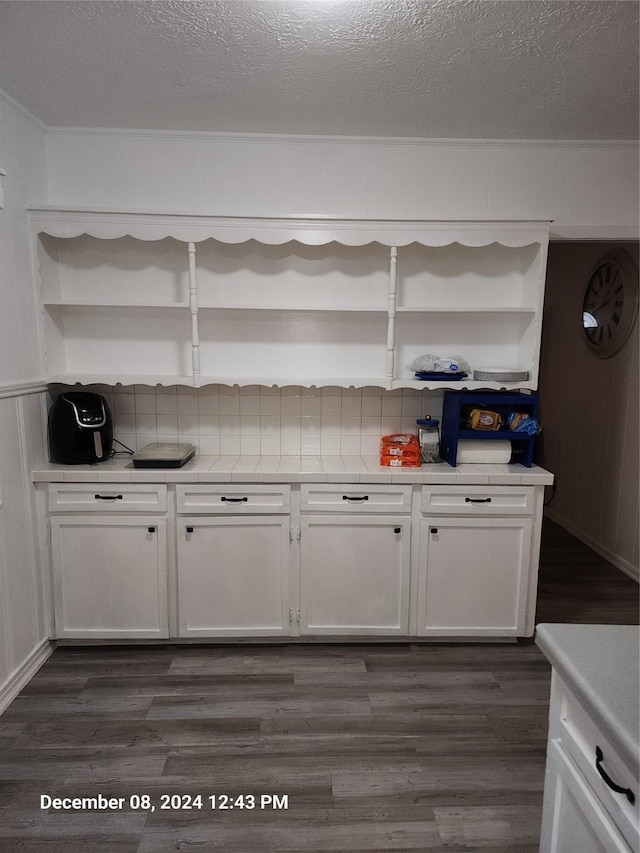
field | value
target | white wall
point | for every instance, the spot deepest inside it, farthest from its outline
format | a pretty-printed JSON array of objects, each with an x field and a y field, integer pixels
[
  {"x": 23, "y": 643},
  {"x": 589, "y": 189},
  {"x": 590, "y": 409}
]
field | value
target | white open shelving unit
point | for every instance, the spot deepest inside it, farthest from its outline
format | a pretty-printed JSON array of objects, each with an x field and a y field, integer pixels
[{"x": 152, "y": 299}]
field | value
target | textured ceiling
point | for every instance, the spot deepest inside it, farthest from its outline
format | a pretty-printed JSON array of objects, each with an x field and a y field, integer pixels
[{"x": 544, "y": 69}]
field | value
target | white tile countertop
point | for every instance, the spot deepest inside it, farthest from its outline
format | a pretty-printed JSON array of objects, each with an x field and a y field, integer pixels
[
  {"x": 601, "y": 665},
  {"x": 292, "y": 469}
]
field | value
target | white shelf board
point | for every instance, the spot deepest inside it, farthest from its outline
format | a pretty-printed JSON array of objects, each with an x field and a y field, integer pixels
[
  {"x": 309, "y": 230},
  {"x": 307, "y": 309},
  {"x": 77, "y": 303},
  {"x": 462, "y": 385},
  {"x": 516, "y": 310},
  {"x": 201, "y": 381},
  {"x": 361, "y": 309},
  {"x": 282, "y": 381},
  {"x": 117, "y": 379}
]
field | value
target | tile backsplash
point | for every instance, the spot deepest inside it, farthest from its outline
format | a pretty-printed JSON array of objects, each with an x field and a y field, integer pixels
[{"x": 222, "y": 419}]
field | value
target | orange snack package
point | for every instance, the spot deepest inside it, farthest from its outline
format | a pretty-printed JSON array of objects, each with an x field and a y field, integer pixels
[{"x": 400, "y": 450}]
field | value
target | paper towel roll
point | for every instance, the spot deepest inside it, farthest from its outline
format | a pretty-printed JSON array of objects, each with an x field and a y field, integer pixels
[{"x": 477, "y": 451}]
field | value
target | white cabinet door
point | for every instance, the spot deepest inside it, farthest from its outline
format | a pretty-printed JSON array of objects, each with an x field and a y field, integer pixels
[
  {"x": 574, "y": 820},
  {"x": 473, "y": 575},
  {"x": 354, "y": 575},
  {"x": 109, "y": 576},
  {"x": 233, "y": 576}
]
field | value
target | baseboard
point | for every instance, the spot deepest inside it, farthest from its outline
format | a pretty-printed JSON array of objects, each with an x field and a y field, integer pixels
[
  {"x": 617, "y": 561},
  {"x": 14, "y": 684}
]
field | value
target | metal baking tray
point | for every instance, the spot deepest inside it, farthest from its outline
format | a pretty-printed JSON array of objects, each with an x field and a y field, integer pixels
[{"x": 163, "y": 455}]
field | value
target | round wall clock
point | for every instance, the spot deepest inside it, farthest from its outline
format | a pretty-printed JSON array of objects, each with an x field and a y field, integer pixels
[{"x": 610, "y": 304}]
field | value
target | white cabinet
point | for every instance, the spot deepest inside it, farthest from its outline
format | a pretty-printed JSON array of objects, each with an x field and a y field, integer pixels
[
  {"x": 197, "y": 300},
  {"x": 355, "y": 498},
  {"x": 106, "y": 497},
  {"x": 472, "y": 576},
  {"x": 355, "y": 559},
  {"x": 233, "y": 576},
  {"x": 137, "y": 560},
  {"x": 579, "y": 822},
  {"x": 233, "y": 499},
  {"x": 354, "y": 575},
  {"x": 475, "y": 560},
  {"x": 234, "y": 555},
  {"x": 109, "y": 560},
  {"x": 109, "y": 574},
  {"x": 479, "y": 501},
  {"x": 590, "y": 794}
]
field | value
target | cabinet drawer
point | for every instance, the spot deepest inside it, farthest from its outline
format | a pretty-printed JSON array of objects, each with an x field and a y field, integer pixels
[
  {"x": 233, "y": 499},
  {"x": 579, "y": 822},
  {"x": 110, "y": 497},
  {"x": 355, "y": 498},
  {"x": 477, "y": 500},
  {"x": 584, "y": 742}
]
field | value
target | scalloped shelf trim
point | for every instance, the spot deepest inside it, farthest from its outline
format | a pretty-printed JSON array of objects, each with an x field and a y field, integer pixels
[
  {"x": 280, "y": 382},
  {"x": 312, "y": 231}
]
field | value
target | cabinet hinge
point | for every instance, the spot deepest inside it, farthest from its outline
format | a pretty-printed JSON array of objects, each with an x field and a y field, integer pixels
[{"x": 291, "y": 615}]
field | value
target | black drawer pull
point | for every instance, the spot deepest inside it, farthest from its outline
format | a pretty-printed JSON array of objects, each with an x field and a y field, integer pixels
[
  {"x": 234, "y": 500},
  {"x": 108, "y": 497},
  {"x": 477, "y": 500},
  {"x": 617, "y": 788},
  {"x": 397, "y": 530},
  {"x": 189, "y": 529},
  {"x": 355, "y": 497},
  {"x": 433, "y": 530},
  {"x": 151, "y": 529}
]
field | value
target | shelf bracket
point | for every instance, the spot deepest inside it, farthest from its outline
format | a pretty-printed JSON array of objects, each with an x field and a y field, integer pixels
[
  {"x": 391, "y": 313},
  {"x": 193, "y": 309}
]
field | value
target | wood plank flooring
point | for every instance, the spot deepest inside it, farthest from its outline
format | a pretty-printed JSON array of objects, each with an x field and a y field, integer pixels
[
  {"x": 578, "y": 585},
  {"x": 402, "y": 747}
]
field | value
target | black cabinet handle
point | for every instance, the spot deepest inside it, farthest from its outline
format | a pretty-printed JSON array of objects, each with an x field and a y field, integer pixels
[
  {"x": 355, "y": 497},
  {"x": 477, "y": 500},
  {"x": 433, "y": 530},
  {"x": 189, "y": 529},
  {"x": 397, "y": 530},
  {"x": 605, "y": 776},
  {"x": 151, "y": 529},
  {"x": 108, "y": 497},
  {"x": 234, "y": 500}
]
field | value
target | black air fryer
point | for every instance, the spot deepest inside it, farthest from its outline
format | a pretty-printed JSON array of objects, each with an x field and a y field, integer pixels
[{"x": 80, "y": 429}]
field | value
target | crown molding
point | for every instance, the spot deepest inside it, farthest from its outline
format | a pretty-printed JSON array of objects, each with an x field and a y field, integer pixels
[
  {"x": 23, "y": 111},
  {"x": 141, "y": 133}
]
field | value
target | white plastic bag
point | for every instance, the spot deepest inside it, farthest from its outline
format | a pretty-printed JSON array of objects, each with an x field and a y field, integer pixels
[{"x": 439, "y": 364}]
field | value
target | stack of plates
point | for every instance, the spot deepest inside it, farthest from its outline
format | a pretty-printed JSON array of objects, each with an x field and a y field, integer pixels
[
  {"x": 439, "y": 376},
  {"x": 500, "y": 374}
]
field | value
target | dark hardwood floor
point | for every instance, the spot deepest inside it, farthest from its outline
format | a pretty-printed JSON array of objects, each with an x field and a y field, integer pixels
[
  {"x": 578, "y": 585},
  {"x": 402, "y": 747}
]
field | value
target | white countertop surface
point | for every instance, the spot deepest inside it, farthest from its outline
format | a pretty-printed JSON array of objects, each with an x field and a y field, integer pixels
[
  {"x": 601, "y": 665},
  {"x": 292, "y": 469}
]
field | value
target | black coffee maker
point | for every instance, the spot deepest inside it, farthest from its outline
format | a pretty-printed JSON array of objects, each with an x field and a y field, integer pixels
[{"x": 80, "y": 429}]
